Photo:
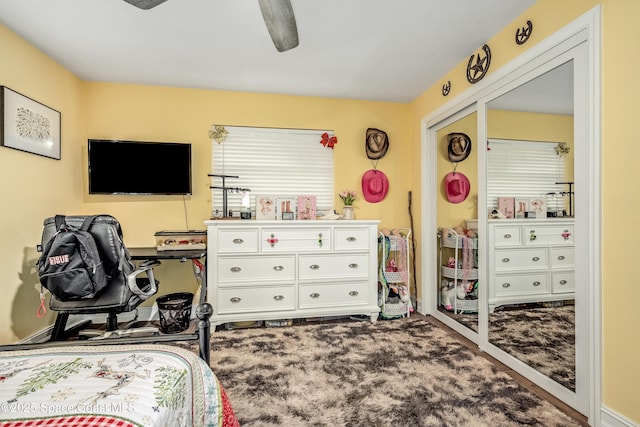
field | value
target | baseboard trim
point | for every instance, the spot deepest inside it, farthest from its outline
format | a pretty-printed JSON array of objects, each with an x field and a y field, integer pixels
[{"x": 609, "y": 418}]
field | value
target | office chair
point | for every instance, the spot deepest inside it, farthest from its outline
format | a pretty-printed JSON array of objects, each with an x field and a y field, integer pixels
[{"x": 127, "y": 287}]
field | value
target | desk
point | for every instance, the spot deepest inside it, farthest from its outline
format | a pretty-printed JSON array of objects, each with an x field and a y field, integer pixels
[{"x": 200, "y": 268}]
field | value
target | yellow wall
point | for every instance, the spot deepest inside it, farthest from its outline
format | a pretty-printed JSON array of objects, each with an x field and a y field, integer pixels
[
  {"x": 620, "y": 206},
  {"x": 34, "y": 187}
]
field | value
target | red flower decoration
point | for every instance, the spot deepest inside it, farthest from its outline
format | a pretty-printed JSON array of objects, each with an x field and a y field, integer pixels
[{"x": 328, "y": 141}]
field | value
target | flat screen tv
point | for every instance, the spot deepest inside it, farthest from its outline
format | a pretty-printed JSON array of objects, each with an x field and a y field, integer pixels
[{"x": 139, "y": 167}]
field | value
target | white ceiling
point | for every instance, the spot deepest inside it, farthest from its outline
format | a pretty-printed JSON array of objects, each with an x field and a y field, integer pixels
[{"x": 358, "y": 49}]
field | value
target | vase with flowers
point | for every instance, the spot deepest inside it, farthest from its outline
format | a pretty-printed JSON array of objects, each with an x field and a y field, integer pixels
[{"x": 348, "y": 197}]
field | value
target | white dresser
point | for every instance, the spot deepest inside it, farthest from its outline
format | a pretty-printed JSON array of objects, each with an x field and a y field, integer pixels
[
  {"x": 530, "y": 261},
  {"x": 268, "y": 270}
]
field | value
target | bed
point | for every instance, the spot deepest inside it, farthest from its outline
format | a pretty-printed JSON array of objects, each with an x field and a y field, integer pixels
[{"x": 110, "y": 385}]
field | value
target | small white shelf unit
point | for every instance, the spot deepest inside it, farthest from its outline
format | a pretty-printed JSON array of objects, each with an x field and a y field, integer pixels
[
  {"x": 394, "y": 296},
  {"x": 462, "y": 251}
]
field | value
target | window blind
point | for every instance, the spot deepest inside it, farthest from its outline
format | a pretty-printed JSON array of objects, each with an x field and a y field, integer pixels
[
  {"x": 525, "y": 169},
  {"x": 269, "y": 161}
]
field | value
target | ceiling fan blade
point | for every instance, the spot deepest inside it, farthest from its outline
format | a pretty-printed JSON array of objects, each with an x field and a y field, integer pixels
[
  {"x": 145, "y": 4},
  {"x": 281, "y": 23}
]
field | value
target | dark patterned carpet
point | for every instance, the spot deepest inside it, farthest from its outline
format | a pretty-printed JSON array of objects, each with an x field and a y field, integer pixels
[
  {"x": 404, "y": 372},
  {"x": 542, "y": 337}
]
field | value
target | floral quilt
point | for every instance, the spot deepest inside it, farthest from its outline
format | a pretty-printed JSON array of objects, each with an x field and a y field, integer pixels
[{"x": 110, "y": 385}]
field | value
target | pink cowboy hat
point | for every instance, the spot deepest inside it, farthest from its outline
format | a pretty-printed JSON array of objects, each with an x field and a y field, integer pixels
[
  {"x": 457, "y": 187},
  {"x": 375, "y": 185}
]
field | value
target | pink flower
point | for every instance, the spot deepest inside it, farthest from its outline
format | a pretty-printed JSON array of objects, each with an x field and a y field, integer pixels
[{"x": 348, "y": 197}]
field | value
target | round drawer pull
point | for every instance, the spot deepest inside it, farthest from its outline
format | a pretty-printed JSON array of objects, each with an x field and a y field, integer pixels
[
  {"x": 535, "y": 258},
  {"x": 561, "y": 258},
  {"x": 351, "y": 239},
  {"x": 278, "y": 297},
  {"x": 314, "y": 295},
  {"x": 354, "y": 265},
  {"x": 235, "y": 269},
  {"x": 507, "y": 236},
  {"x": 278, "y": 267},
  {"x": 505, "y": 260},
  {"x": 314, "y": 267},
  {"x": 563, "y": 282},
  {"x": 536, "y": 283},
  {"x": 238, "y": 241},
  {"x": 235, "y": 300},
  {"x": 354, "y": 293},
  {"x": 506, "y": 285}
]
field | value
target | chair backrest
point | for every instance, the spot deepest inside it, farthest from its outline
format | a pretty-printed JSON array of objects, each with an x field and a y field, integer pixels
[{"x": 117, "y": 296}]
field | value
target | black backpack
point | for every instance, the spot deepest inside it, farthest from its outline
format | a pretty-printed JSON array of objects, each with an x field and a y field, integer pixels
[{"x": 70, "y": 266}]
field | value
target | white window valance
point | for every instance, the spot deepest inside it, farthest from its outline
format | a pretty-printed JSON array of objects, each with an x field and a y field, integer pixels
[
  {"x": 525, "y": 169},
  {"x": 270, "y": 161}
]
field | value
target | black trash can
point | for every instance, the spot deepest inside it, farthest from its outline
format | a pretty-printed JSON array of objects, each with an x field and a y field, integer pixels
[{"x": 175, "y": 312}]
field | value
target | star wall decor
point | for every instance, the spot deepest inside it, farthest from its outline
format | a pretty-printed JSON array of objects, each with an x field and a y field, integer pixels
[
  {"x": 523, "y": 34},
  {"x": 478, "y": 65}
]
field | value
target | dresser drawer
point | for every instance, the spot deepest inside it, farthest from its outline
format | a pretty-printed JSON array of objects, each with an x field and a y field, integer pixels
[
  {"x": 348, "y": 239},
  {"x": 548, "y": 235},
  {"x": 243, "y": 240},
  {"x": 334, "y": 267},
  {"x": 257, "y": 269},
  {"x": 562, "y": 256},
  {"x": 563, "y": 281},
  {"x": 520, "y": 284},
  {"x": 520, "y": 259},
  {"x": 245, "y": 300},
  {"x": 334, "y": 295},
  {"x": 507, "y": 235},
  {"x": 295, "y": 239}
]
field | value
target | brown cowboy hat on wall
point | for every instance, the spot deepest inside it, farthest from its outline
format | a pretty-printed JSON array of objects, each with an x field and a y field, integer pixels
[
  {"x": 376, "y": 143},
  {"x": 459, "y": 146}
]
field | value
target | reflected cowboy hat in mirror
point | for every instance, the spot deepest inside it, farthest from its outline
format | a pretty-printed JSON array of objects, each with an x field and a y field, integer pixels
[
  {"x": 459, "y": 146},
  {"x": 457, "y": 187},
  {"x": 376, "y": 143}
]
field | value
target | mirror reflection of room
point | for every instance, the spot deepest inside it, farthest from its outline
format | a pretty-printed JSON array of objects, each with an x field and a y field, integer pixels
[
  {"x": 530, "y": 218},
  {"x": 457, "y": 213}
]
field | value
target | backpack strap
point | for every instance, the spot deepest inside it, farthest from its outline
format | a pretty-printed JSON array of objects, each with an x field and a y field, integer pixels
[
  {"x": 87, "y": 223},
  {"x": 60, "y": 222}
]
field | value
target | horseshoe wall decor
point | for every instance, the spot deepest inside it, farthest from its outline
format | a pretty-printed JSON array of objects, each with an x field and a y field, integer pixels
[
  {"x": 446, "y": 88},
  {"x": 478, "y": 65},
  {"x": 523, "y": 34}
]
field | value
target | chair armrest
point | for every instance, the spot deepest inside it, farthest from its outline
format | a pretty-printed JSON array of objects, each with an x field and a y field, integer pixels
[{"x": 147, "y": 268}]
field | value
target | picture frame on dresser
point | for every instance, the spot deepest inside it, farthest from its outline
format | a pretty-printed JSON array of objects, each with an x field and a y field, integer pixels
[
  {"x": 306, "y": 205},
  {"x": 506, "y": 206},
  {"x": 538, "y": 205},
  {"x": 286, "y": 207},
  {"x": 265, "y": 207},
  {"x": 521, "y": 207},
  {"x": 27, "y": 125}
]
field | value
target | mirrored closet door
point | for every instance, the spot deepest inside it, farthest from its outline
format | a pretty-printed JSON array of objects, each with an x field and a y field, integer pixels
[
  {"x": 534, "y": 191},
  {"x": 530, "y": 244}
]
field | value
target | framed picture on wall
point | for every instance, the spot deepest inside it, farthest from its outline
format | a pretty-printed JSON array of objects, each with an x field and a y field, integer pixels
[
  {"x": 506, "y": 206},
  {"x": 28, "y": 125}
]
